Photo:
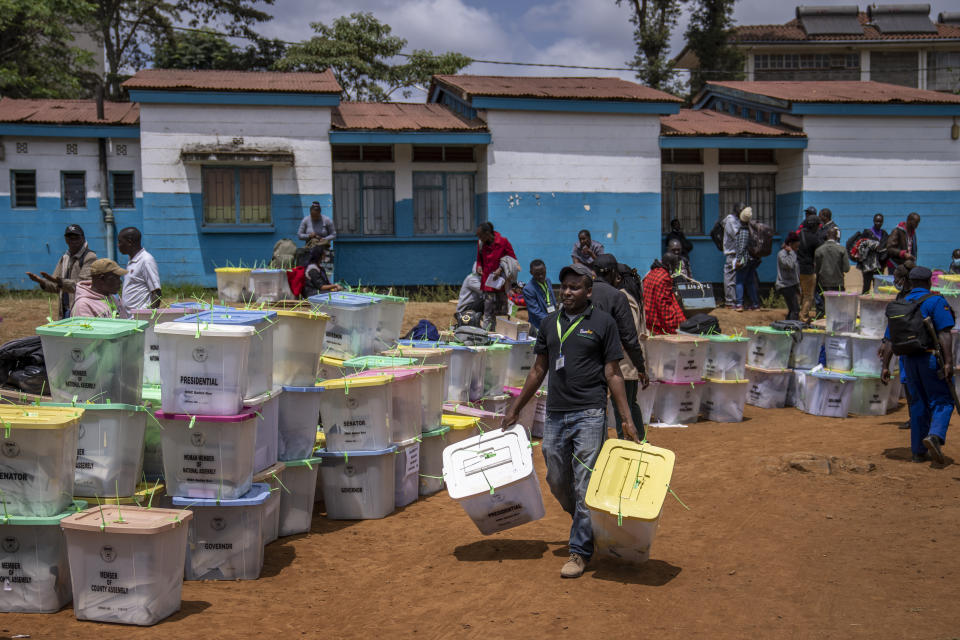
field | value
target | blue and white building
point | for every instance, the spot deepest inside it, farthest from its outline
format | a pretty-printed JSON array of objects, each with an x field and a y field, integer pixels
[{"x": 214, "y": 167}]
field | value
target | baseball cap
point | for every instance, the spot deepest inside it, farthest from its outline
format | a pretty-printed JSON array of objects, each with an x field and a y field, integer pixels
[
  {"x": 103, "y": 266},
  {"x": 579, "y": 269},
  {"x": 73, "y": 230},
  {"x": 920, "y": 273},
  {"x": 605, "y": 262}
]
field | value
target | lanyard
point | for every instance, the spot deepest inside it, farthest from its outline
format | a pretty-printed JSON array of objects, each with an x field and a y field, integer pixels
[
  {"x": 546, "y": 292},
  {"x": 564, "y": 336}
]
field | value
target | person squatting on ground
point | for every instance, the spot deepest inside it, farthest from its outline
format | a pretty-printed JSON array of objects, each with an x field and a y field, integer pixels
[
  {"x": 586, "y": 250},
  {"x": 580, "y": 347},
  {"x": 745, "y": 266},
  {"x": 931, "y": 403},
  {"x": 538, "y": 294},
  {"x": 788, "y": 277},
  {"x": 73, "y": 266},
  {"x": 491, "y": 247},
  {"x": 97, "y": 297},
  {"x": 661, "y": 311}
]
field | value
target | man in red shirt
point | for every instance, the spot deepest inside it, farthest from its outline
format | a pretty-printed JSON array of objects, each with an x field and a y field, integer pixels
[
  {"x": 660, "y": 306},
  {"x": 491, "y": 247}
]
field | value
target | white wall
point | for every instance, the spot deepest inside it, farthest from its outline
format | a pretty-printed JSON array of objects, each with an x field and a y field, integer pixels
[
  {"x": 165, "y": 129},
  {"x": 573, "y": 152},
  {"x": 873, "y": 153}
]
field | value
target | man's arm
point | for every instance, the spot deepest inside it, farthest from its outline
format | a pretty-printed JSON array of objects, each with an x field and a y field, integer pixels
[
  {"x": 846, "y": 260},
  {"x": 946, "y": 344},
  {"x": 817, "y": 261},
  {"x": 615, "y": 383},
  {"x": 534, "y": 308},
  {"x": 628, "y": 333},
  {"x": 886, "y": 351},
  {"x": 534, "y": 379}
]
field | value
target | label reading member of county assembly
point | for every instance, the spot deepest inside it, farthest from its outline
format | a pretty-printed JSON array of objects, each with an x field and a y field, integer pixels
[
  {"x": 10, "y": 569},
  {"x": 111, "y": 578}
]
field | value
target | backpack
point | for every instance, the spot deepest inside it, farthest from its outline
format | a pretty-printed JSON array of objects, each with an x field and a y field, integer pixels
[
  {"x": 716, "y": 234},
  {"x": 852, "y": 244},
  {"x": 472, "y": 336},
  {"x": 700, "y": 324},
  {"x": 467, "y": 318},
  {"x": 425, "y": 330},
  {"x": 296, "y": 277},
  {"x": 761, "y": 240},
  {"x": 908, "y": 334},
  {"x": 284, "y": 254}
]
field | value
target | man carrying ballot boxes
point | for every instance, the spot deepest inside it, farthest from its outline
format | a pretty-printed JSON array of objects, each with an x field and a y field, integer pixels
[{"x": 580, "y": 347}]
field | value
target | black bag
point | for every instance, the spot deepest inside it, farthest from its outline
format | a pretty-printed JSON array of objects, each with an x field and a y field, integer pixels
[
  {"x": 795, "y": 327},
  {"x": 908, "y": 335},
  {"x": 22, "y": 365},
  {"x": 467, "y": 318},
  {"x": 716, "y": 234},
  {"x": 761, "y": 240},
  {"x": 701, "y": 324}
]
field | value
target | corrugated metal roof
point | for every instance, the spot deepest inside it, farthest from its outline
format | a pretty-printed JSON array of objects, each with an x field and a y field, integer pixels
[
  {"x": 388, "y": 116},
  {"x": 67, "y": 112},
  {"x": 562, "y": 88},
  {"x": 852, "y": 91},
  {"x": 267, "y": 81},
  {"x": 703, "y": 122},
  {"x": 792, "y": 31}
]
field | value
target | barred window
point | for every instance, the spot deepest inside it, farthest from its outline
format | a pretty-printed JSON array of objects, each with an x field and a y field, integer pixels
[
  {"x": 23, "y": 189},
  {"x": 73, "y": 190},
  {"x": 122, "y": 191},
  {"x": 682, "y": 198},
  {"x": 757, "y": 190},
  {"x": 443, "y": 203},
  {"x": 363, "y": 202},
  {"x": 236, "y": 195}
]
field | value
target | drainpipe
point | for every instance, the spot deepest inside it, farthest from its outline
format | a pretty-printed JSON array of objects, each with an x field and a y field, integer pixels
[{"x": 108, "y": 220}]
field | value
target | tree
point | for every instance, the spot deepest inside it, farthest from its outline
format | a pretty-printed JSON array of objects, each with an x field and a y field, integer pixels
[
  {"x": 653, "y": 20},
  {"x": 709, "y": 36},
  {"x": 37, "y": 59},
  {"x": 206, "y": 49},
  {"x": 358, "y": 49},
  {"x": 129, "y": 29}
]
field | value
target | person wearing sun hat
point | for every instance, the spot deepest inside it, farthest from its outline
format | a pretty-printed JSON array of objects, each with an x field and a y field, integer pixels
[{"x": 97, "y": 297}]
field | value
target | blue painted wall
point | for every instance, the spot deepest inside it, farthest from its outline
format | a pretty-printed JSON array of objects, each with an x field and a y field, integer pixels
[
  {"x": 546, "y": 227},
  {"x": 32, "y": 239}
]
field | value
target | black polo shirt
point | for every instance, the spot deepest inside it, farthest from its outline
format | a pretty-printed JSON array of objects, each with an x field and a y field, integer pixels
[{"x": 581, "y": 383}]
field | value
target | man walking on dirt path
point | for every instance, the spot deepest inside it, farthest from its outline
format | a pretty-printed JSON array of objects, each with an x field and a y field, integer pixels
[{"x": 580, "y": 346}]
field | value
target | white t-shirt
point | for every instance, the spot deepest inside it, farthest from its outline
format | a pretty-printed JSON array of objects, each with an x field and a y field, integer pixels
[{"x": 142, "y": 278}]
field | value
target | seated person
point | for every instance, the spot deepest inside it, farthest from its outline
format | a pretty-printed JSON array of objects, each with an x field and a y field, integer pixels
[
  {"x": 661, "y": 310},
  {"x": 97, "y": 297},
  {"x": 315, "y": 277},
  {"x": 674, "y": 246}
]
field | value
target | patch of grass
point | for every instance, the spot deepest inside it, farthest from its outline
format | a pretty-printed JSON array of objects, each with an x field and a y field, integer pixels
[
  {"x": 24, "y": 294},
  {"x": 773, "y": 300},
  {"x": 184, "y": 291},
  {"x": 421, "y": 293}
]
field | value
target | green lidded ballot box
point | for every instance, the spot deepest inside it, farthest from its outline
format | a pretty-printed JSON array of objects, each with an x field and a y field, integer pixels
[{"x": 94, "y": 359}]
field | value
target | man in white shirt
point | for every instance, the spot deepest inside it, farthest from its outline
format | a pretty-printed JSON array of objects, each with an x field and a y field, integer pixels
[{"x": 141, "y": 285}]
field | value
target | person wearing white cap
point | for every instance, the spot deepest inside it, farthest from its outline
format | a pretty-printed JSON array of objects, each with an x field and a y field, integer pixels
[{"x": 745, "y": 265}]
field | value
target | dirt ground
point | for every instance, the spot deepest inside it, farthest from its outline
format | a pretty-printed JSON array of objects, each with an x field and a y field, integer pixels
[{"x": 771, "y": 547}]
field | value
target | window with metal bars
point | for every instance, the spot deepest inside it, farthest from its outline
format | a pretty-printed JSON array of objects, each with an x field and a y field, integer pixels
[
  {"x": 362, "y": 153},
  {"x": 237, "y": 195},
  {"x": 363, "y": 202},
  {"x": 682, "y": 198},
  {"x": 431, "y": 153},
  {"x": 757, "y": 190},
  {"x": 443, "y": 203},
  {"x": 747, "y": 156},
  {"x": 73, "y": 190},
  {"x": 23, "y": 189},
  {"x": 122, "y": 194}
]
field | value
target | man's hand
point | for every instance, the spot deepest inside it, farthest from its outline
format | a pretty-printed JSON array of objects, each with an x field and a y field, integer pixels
[
  {"x": 644, "y": 380},
  {"x": 629, "y": 430},
  {"x": 909, "y": 256},
  {"x": 509, "y": 420},
  {"x": 56, "y": 281},
  {"x": 587, "y": 251},
  {"x": 35, "y": 278},
  {"x": 947, "y": 370},
  {"x": 885, "y": 376}
]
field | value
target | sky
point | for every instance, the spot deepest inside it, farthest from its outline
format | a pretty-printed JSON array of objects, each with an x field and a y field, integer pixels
[{"x": 577, "y": 32}]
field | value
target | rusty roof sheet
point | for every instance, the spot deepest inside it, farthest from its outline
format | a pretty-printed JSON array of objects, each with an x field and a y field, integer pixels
[
  {"x": 793, "y": 31},
  {"x": 389, "y": 116},
  {"x": 562, "y": 88},
  {"x": 68, "y": 112},
  {"x": 266, "y": 81},
  {"x": 839, "y": 91},
  {"x": 690, "y": 122}
]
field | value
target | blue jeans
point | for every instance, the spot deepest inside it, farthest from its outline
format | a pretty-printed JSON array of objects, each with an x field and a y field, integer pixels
[
  {"x": 747, "y": 283},
  {"x": 567, "y": 434},
  {"x": 931, "y": 404}
]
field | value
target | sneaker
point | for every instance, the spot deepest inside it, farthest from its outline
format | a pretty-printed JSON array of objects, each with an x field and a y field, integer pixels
[
  {"x": 919, "y": 458},
  {"x": 738, "y": 308},
  {"x": 573, "y": 568},
  {"x": 932, "y": 443}
]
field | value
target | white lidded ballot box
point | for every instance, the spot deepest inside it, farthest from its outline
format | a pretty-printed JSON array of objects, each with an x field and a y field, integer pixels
[
  {"x": 768, "y": 387},
  {"x": 269, "y": 285},
  {"x": 266, "y": 406},
  {"x": 495, "y": 367},
  {"x": 873, "y": 313},
  {"x": 259, "y": 376},
  {"x": 94, "y": 359},
  {"x": 390, "y": 312},
  {"x": 352, "y": 328},
  {"x": 841, "y": 308},
  {"x": 233, "y": 284},
  {"x": 625, "y": 498},
  {"x": 126, "y": 563},
  {"x": 407, "y": 472},
  {"x": 358, "y": 485},
  {"x": 493, "y": 479},
  {"x": 827, "y": 393},
  {"x": 769, "y": 348},
  {"x": 406, "y": 415},
  {"x": 272, "y": 477},
  {"x": 205, "y": 370},
  {"x": 208, "y": 456},
  {"x": 110, "y": 441},
  {"x": 807, "y": 348},
  {"x": 676, "y": 358},
  {"x": 723, "y": 400},
  {"x": 38, "y": 454},
  {"x": 297, "y": 422},
  {"x": 225, "y": 539},
  {"x": 726, "y": 357},
  {"x": 521, "y": 360},
  {"x": 357, "y": 412},
  {"x": 151, "y": 343},
  {"x": 33, "y": 555},
  {"x": 865, "y": 357},
  {"x": 297, "y": 346},
  {"x": 678, "y": 402},
  {"x": 432, "y": 444},
  {"x": 465, "y": 372},
  {"x": 296, "y": 496}
]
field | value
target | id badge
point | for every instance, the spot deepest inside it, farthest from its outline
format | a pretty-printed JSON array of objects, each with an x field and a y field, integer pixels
[
  {"x": 551, "y": 308},
  {"x": 559, "y": 364}
]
